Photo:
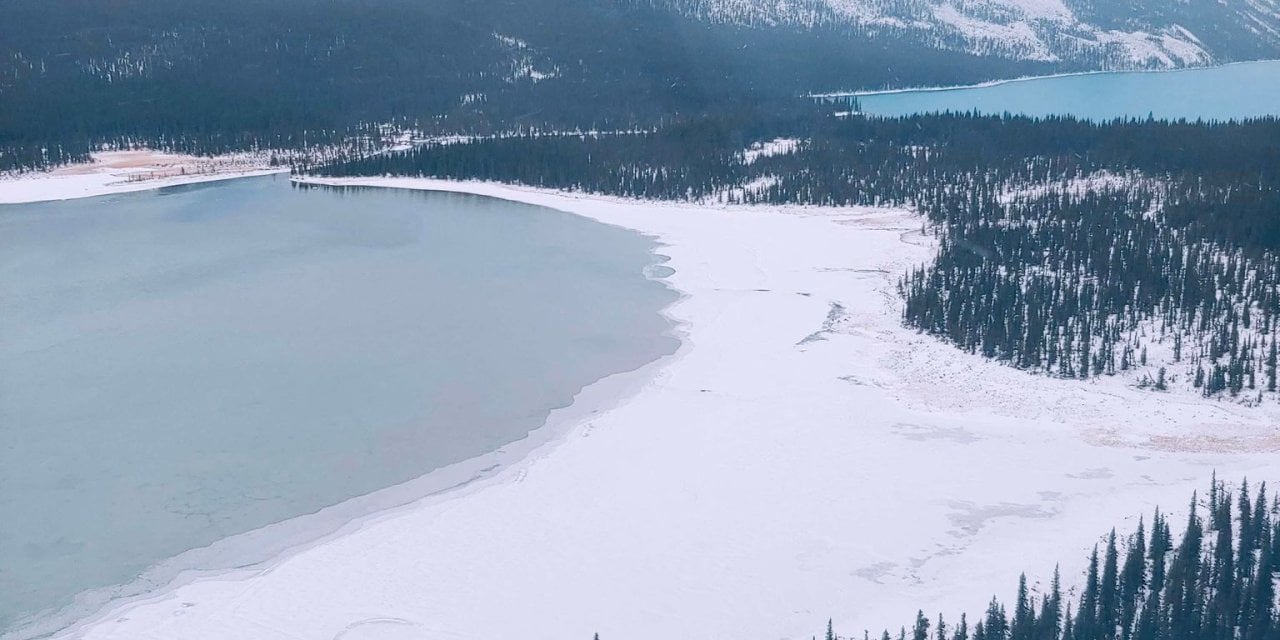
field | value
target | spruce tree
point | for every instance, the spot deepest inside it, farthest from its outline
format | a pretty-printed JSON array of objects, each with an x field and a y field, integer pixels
[
  {"x": 962, "y": 630},
  {"x": 921, "y": 629},
  {"x": 1047, "y": 623},
  {"x": 1108, "y": 591},
  {"x": 1182, "y": 593},
  {"x": 1133, "y": 581},
  {"x": 1086, "y": 627},
  {"x": 1023, "y": 617},
  {"x": 996, "y": 622}
]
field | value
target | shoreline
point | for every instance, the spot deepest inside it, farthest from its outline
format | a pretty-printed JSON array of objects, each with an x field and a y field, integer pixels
[
  {"x": 126, "y": 172},
  {"x": 244, "y": 555},
  {"x": 263, "y": 548},
  {"x": 663, "y": 514},
  {"x": 1004, "y": 81}
]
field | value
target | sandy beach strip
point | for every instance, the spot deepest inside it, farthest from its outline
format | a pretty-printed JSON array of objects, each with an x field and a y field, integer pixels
[{"x": 128, "y": 171}]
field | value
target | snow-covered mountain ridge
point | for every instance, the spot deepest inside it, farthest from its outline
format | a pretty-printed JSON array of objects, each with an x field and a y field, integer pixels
[{"x": 1110, "y": 34}]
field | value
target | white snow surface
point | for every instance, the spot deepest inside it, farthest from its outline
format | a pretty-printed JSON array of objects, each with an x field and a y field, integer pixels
[
  {"x": 768, "y": 149},
  {"x": 803, "y": 456}
]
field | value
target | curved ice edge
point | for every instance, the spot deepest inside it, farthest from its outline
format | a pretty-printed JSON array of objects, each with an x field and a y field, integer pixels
[{"x": 244, "y": 555}]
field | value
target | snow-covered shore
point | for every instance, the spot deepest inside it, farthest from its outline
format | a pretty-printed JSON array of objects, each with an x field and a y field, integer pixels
[
  {"x": 128, "y": 171},
  {"x": 1004, "y": 81},
  {"x": 803, "y": 457}
]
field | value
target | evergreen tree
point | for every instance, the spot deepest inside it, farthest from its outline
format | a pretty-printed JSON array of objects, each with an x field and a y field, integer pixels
[
  {"x": 1108, "y": 591},
  {"x": 921, "y": 629},
  {"x": 1184, "y": 598},
  {"x": 1133, "y": 581},
  {"x": 962, "y": 629},
  {"x": 1087, "y": 617}
]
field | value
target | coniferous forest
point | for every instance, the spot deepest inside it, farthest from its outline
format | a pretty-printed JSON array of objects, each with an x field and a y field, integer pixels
[
  {"x": 1074, "y": 249},
  {"x": 1216, "y": 581},
  {"x": 209, "y": 77}
]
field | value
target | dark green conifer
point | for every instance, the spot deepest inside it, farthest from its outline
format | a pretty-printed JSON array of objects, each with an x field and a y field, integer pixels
[{"x": 921, "y": 629}]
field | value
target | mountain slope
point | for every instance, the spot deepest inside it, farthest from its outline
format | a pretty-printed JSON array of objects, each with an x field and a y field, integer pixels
[
  {"x": 1101, "y": 33},
  {"x": 209, "y": 76},
  {"x": 206, "y": 76}
]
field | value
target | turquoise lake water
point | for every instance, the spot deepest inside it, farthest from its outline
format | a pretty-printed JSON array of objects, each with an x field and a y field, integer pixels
[
  {"x": 183, "y": 365},
  {"x": 1237, "y": 91}
]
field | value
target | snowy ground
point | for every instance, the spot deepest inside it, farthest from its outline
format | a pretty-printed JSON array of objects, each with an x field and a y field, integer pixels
[
  {"x": 768, "y": 149},
  {"x": 802, "y": 457},
  {"x": 124, "y": 171}
]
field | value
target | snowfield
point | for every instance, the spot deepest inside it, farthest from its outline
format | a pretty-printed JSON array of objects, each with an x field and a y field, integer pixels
[{"x": 803, "y": 457}]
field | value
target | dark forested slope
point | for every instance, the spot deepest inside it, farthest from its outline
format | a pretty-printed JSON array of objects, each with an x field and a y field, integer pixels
[{"x": 208, "y": 75}]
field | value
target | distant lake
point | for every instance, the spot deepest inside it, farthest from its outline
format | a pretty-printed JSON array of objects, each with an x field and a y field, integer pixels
[
  {"x": 1235, "y": 91},
  {"x": 184, "y": 365}
]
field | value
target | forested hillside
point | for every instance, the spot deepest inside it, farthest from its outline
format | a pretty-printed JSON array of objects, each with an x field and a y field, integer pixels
[
  {"x": 1144, "y": 249},
  {"x": 1217, "y": 581},
  {"x": 210, "y": 76}
]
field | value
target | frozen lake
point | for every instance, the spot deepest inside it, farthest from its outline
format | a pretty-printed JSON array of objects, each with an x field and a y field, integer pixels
[
  {"x": 184, "y": 365},
  {"x": 1246, "y": 90}
]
